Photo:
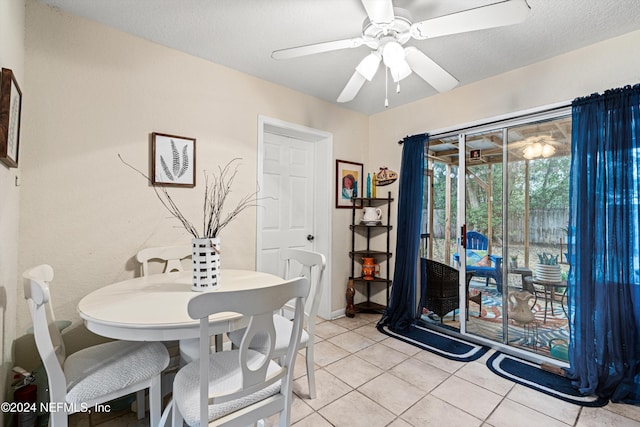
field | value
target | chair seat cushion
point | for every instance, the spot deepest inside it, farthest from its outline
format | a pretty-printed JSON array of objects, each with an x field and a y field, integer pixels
[
  {"x": 105, "y": 368},
  {"x": 224, "y": 377},
  {"x": 476, "y": 257},
  {"x": 283, "y": 333}
]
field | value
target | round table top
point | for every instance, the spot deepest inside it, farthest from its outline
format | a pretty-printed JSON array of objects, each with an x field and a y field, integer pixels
[{"x": 154, "y": 308}]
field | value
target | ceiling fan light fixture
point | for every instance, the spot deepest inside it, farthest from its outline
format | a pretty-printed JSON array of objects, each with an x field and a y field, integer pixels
[
  {"x": 548, "y": 150},
  {"x": 532, "y": 151},
  {"x": 539, "y": 146},
  {"x": 392, "y": 54},
  {"x": 401, "y": 71},
  {"x": 538, "y": 149},
  {"x": 369, "y": 65}
]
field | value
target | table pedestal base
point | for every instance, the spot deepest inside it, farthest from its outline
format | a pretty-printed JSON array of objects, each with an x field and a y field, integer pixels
[{"x": 190, "y": 348}]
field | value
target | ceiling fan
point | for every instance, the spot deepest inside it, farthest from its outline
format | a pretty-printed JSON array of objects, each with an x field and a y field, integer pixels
[{"x": 387, "y": 29}]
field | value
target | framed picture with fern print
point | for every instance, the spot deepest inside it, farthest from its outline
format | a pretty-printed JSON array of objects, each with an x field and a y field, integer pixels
[{"x": 173, "y": 160}]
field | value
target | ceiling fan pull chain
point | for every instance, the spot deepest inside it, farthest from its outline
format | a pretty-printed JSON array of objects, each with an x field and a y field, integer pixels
[{"x": 386, "y": 89}]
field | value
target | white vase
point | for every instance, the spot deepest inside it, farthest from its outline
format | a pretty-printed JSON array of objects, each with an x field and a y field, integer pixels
[
  {"x": 549, "y": 273},
  {"x": 206, "y": 264}
]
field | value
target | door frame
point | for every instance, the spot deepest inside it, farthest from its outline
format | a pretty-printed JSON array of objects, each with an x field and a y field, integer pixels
[
  {"x": 322, "y": 200},
  {"x": 461, "y": 226}
]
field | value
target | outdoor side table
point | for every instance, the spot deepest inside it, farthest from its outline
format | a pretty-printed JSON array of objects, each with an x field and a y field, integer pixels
[
  {"x": 525, "y": 274},
  {"x": 550, "y": 292}
]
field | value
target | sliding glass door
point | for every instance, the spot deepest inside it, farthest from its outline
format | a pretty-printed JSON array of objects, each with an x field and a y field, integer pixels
[{"x": 499, "y": 212}]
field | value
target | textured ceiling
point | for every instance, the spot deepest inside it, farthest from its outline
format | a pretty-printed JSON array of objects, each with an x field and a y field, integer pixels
[{"x": 241, "y": 34}]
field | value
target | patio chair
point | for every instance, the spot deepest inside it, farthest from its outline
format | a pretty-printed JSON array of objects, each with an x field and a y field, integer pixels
[
  {"x": 441, "y": 289},
  {"x": 479, "y": 262}
]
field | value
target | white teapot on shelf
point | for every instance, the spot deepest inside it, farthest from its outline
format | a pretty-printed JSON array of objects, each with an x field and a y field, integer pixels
[{"x": 371, "y": 214}]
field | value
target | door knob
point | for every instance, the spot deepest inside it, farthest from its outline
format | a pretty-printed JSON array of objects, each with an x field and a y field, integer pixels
[{"x": 310, "y": 237}]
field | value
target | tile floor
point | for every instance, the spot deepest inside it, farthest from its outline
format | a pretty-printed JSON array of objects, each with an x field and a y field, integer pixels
[{"x": 365, "y": 378}]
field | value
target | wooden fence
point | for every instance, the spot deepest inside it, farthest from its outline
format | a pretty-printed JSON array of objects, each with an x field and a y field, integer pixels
[{"x": 546, "y": 226}]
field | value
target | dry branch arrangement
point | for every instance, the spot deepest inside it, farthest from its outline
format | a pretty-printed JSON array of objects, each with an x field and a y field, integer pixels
[{"x": 217, "y": 187}]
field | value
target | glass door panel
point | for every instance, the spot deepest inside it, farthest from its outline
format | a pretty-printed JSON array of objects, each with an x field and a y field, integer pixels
[
  {"x": 439, "y": 221},
  {"x": 484, "y": 237},
  {"x": 522, "y": 306},
  {"x": 538, "y": 163}
]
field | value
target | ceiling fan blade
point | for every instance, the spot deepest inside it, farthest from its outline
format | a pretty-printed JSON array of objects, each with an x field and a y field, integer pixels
[
  {"x": 379, "y": 11},
  {"x": 352, "y": 88},
  {"x": 311, "y": 49},
  {"x": 506, "y": 12},
  {"x": 430, "y": 72}
]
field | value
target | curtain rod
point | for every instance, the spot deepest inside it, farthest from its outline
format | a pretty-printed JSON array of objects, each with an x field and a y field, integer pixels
[
  {"x": 496, "y": 119},
  {"x": 502, "y": 118},
  {"x": 411, "y": 136}
]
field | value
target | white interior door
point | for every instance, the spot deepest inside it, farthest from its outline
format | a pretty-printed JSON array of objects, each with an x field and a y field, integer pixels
[
  {"x": 293, "y": 165},
  {"x": 288, "y": 188}
]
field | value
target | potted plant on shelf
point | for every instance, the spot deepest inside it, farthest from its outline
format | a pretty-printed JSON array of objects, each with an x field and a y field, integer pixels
[
  {"x": 513, "y": 263},
  {"x": 548, "y": 268},
  {"x": 206, "y": 244}
]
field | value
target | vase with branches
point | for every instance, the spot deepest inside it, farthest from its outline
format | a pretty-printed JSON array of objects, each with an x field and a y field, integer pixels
[{"x": 206, "y": 243}]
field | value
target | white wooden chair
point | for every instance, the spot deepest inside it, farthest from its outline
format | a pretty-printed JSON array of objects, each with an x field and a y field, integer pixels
[
  {"x": 95, "y": 374},
  {"x": 240, "y": 386},
  {"x": 310, "y": 265},
  {"x": 169, "y": 255}
]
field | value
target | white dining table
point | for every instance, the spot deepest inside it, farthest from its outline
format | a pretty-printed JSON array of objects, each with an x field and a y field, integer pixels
[{"x": 154, "y": 308}]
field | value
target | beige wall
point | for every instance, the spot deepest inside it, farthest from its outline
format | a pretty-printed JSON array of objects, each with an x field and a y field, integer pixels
[
  {"x": 101, "y": 93},
  {"x": 12, "y": 57}
]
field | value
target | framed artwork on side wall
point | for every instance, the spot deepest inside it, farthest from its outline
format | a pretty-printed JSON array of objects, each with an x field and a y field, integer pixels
[
  {"x": 10, "y": 110},
  {"x": 348, "y": 182},
  {"x": 173, "y": 160}
]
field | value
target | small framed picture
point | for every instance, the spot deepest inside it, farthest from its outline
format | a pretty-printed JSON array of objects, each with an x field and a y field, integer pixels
[
  {"x": 10, "y": 110},
  {"x": 348, "y": 183},
  {"x": 173, "y": 160}
]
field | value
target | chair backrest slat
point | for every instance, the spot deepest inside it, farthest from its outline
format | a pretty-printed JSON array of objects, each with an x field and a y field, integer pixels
[
  {"x": 476, "y": 240},
  {"x": 170, "y": 255}
]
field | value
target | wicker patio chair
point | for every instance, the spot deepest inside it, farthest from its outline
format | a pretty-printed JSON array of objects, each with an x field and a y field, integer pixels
[{"x": 442, "y": 289}]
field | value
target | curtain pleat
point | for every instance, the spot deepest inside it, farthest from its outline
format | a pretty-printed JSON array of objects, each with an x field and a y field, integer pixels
[
  {"x": 604, "y": 249},
  {"x": 402, "y": 305}
]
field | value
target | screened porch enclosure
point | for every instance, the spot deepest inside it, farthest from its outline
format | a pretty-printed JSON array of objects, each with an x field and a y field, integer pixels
[{"x": 515, "y": 193}]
